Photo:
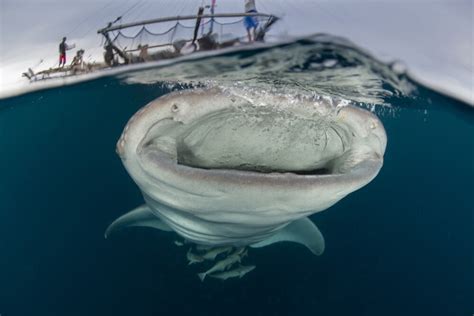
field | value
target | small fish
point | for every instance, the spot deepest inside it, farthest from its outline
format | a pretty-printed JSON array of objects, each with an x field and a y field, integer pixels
[
  {"x": 193, "y": 258},
  {"x": 214, "y": 252},
  {"x": 221, "y": 265},
  {"x": 178, "y": 243},
  {"x": 240, "y": 271},
  {"x": 241, "y": 251}
]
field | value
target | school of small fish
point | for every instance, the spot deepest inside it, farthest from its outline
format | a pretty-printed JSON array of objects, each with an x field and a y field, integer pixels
[{"x": 228, "y": 266}]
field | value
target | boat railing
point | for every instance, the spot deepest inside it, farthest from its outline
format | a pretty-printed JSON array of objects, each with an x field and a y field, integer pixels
[{"x": 182, "y": 18}]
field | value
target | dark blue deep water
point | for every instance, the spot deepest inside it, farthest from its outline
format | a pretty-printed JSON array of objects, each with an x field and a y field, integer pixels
[{"x": 402, "y": 245}]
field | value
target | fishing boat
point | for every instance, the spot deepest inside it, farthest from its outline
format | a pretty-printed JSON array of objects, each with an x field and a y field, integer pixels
[{"x": 207, "y": 31}]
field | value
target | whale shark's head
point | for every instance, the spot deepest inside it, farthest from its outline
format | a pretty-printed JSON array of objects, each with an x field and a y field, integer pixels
[{"x": 219, "y": 166}]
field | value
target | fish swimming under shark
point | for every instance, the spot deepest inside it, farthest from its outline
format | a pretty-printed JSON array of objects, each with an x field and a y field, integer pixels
[
  {"x": 221, "y": 169},
  {"x": 193, "y": 258},
  {"x": 224, "y": 263},
  {"x": 240, "y": 271},
  {"x": 214, "y": 252},
  {"x": 209, "y": 254}
]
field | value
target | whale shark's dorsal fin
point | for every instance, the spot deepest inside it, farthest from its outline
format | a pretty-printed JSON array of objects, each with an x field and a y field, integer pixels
[
  {"x": 302, "y": 231},
  {"x": 141, "y": 216}
]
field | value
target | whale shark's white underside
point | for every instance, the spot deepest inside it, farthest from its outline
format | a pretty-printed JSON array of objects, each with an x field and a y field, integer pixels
[{"x": 222, "y": 168}]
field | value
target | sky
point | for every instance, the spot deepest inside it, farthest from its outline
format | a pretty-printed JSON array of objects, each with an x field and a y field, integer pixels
[{"x": 433, "y": 38}]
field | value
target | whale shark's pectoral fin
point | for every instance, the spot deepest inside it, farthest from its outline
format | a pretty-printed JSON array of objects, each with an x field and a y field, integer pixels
[
  {"x": 302, "y": 231},
  {"x": 141, "y": 216}
]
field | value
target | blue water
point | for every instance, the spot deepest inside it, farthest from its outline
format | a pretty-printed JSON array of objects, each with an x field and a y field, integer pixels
[{"x": 402, "y": 245}]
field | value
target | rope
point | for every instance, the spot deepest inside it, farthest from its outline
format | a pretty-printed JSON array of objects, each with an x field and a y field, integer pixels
[
  {"x": 82, "y": 22},
  {"x": 88, "y": 18},
  {"x": 142, "y": 8},
  {"x": 131, "y": 8},
  {"x": 183, "y": 6},
  {"x": 137, "y": 9}
]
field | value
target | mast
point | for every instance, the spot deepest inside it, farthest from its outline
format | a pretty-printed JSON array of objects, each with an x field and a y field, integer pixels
[{"x": 198, "y": 22}]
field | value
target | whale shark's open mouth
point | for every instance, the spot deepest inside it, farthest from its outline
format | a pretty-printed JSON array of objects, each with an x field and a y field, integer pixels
[
  {"x": 252, "y": 139},
  {"x": 257, "y": 139}
]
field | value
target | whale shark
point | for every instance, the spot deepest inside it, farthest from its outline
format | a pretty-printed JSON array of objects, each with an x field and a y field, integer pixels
[{"x": 230, "y": 168}]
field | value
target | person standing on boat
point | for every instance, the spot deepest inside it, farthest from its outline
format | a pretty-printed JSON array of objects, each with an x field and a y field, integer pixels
[
  {"x": 251, "y": 22},
  {"x": 63, "y": 47},
  {"x": 143, "y": 56}
]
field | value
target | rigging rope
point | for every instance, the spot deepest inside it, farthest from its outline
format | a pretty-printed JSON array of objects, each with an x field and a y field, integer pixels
[
  {"x": 140, "y": 10},
  {"x": 100, "y": 12},
  {"x": 233, "y": 30},
  {"x": 131, "y": 8},
  {"x": 88, "y": 18}
]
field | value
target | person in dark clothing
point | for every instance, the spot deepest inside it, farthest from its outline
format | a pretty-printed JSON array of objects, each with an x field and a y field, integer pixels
[
  {"x": 63, "y": 47},
  {"x": 109, "y": 56}
]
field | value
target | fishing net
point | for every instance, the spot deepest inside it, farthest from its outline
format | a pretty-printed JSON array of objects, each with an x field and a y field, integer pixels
[{"x": 162, "y": 36}]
